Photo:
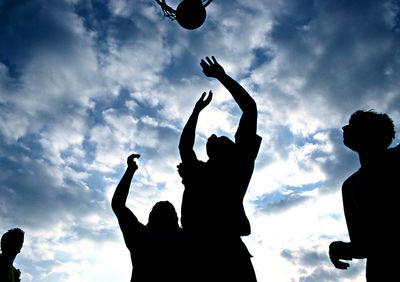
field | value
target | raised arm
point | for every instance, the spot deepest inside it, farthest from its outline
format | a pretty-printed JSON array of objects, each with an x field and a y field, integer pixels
[
  {"x": 126, "y": 219},
  {"x": 121, "y": 192},
  {"x": 246, "y": 103},
  {"x": 187, "y": 139}
]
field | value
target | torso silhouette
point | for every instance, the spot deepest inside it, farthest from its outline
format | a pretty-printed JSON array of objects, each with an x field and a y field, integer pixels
[
  {"x": 155, "y": 256},
  {"x": 8, "y": 273},
  {"x": 213, "y": 198},
  {"x": 213, "y": 216},
  {"x": 371, "y": 205}
]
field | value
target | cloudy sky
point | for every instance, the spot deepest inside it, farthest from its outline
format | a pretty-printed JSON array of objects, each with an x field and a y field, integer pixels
[{"x": 84, "y": 83}]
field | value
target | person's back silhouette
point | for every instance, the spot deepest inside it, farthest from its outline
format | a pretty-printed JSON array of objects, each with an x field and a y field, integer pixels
[
  {"x": 11, "y": 245},
  {"x": 371, "y": 198},
  {"x": 213, "y": 216},
  {"x": 156, "y": 248}
]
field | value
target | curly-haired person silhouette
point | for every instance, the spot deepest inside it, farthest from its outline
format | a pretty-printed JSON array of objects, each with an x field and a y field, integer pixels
[
  {"x": 156, "y": 248},
  {"x": 213, "y": 216},
  {"x": 11, "y": 245},
  {"x": 371, "y": 198}
]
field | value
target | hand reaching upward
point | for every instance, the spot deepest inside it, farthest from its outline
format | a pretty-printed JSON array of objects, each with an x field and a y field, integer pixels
[
  {"x": 212, "y": 68},
  {"x": 202, "y": 103},
  {"x": 131, "y": 161}
]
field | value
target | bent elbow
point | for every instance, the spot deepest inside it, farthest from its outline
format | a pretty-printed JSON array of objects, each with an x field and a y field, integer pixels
[
  {"x": 251, "y": 105},
  {"x": 115, "y": 205}
]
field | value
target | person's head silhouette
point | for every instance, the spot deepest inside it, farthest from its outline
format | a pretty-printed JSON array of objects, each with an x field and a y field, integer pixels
[
  {"x": 219, "y": 147},
  {"x": 163, "y": 218},
  {"x": 11, "y": 242},
  {"x": 368, "y": 131}
]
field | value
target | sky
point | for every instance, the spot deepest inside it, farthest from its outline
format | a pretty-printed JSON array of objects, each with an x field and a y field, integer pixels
[{"x": 85, "y": 83}]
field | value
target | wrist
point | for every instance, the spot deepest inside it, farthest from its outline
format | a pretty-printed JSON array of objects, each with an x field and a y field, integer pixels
[
  {"x": 222, "y": 76},
  {"x": 196, "y": 111},
  {"x": 131, "y": 168}
]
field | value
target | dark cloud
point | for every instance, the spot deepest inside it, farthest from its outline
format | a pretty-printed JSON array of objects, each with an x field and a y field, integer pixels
[
  {"x": 32, "y": 27},
  {"x": 305, "y": 257},
  {"x": 318, "y": 267},
  {"x": 345, "y": 50},
  {"x": 50, "y": 69},
  {"x": 338, "y": 164},
  {"x": 277, "y": 202},
  {"x": 38, "y": 195}
]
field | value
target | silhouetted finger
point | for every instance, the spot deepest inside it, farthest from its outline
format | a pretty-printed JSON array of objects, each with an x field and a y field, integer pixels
[
  {"x": 209, "y": 61},
  {"x": 210, "y": 94},
  {"x": 204, "y": 65},
  {"x": 214, "y": 60},
  {"x": 341, "y": 265},
  {"x": 133, "y": 157},
  {"x": 131, "y": 161}
]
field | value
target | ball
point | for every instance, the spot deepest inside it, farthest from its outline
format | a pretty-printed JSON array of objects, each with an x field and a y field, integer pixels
[{"x": 191, "y": 14}]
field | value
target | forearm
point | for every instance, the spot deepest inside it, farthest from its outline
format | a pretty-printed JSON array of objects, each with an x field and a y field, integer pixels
[
  {"x": 189, "y": 132},
  {"x": 239, "y": 94},
  {"x": 122, "y": 190}
]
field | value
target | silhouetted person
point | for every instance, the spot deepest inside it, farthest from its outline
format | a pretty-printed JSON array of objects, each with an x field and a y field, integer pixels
[
  {"x": 156, "y": 248},
  {"x": 11, "y": 245},
  {"x": 213, "y": 216},
  {"x": 371, "y": 198}
]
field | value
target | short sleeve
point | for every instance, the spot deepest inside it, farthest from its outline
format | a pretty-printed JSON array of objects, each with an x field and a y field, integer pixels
[
  {"x": 189, "y": 171},
  {"x": 249, "y": 145}
]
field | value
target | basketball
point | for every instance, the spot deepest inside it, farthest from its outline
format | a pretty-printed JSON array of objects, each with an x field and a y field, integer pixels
[{"x": 190, "y": 14}]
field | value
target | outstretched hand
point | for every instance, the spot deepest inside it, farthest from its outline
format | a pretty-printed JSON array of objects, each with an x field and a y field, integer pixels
[
  {"x": 337, "y": 251},
  {"x": 131, "y": 161},
  {"x": 212, "y": 68},
  {"x": 202, "y": 103}
]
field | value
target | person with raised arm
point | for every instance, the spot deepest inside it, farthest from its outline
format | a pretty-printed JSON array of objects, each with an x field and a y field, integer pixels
[
  {"x": 371, "y": 198},
  {"x": 212, "y": 214},
  {"x": 155, "y": 248}
]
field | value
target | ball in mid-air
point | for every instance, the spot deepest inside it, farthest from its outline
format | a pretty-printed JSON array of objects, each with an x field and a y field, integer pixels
[{"x": 191, "y": 14}]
